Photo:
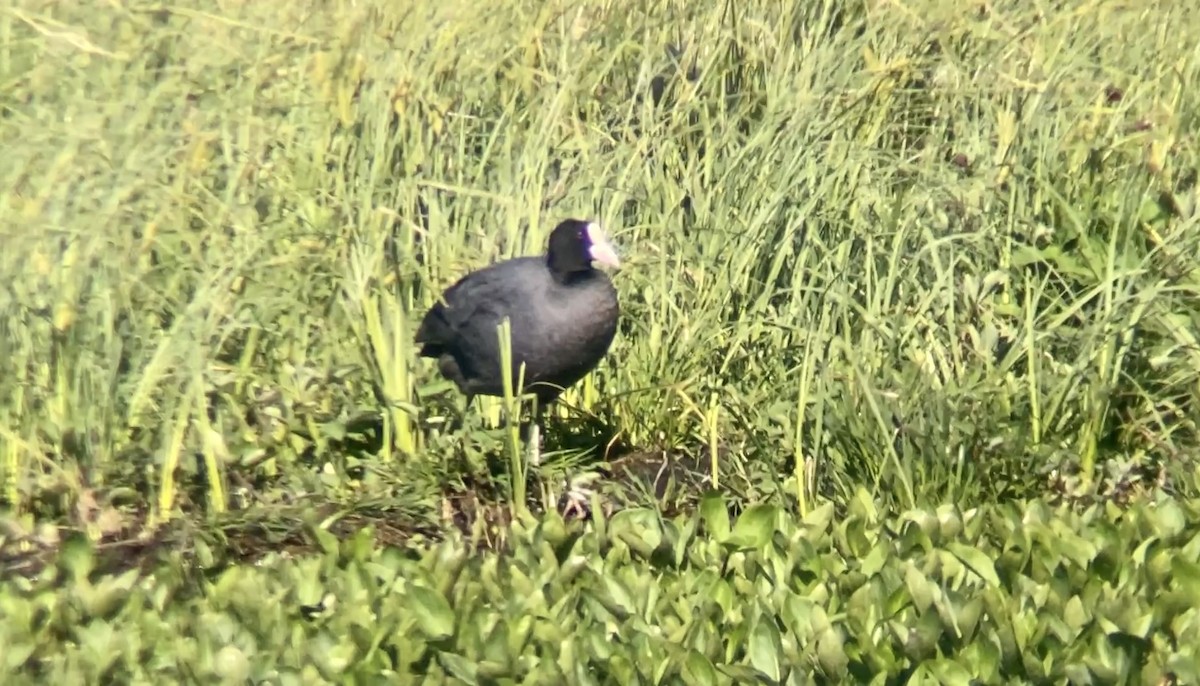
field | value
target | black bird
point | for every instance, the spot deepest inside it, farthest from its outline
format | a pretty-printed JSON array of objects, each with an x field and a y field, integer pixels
[{"x": 562, "y": 313}]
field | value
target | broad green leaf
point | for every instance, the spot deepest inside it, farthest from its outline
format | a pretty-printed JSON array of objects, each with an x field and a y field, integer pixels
[
  {"x": 920, "y": 589},
  {"x": 875, "y": 560},
  {"x": 1072, "y": 546},
  {"x": 766, "y": 650},
  {"x": 818, "y": 520},
  {"x": 984, "y": 658},
  {"x": 616, "y": 598},
  {"x": 76, "y": 556},
  {"x": 755, "y": 527},
  {"x": 741, "y": 674},
  {"x": 950, "y": 672},
  {"x": 1075, "y": 614},
  {"x": 639, "y": 528},
  {"x": 1187, "y": 575},
  {"x": 231, "y": 664},
  {"x": 977, "y": 561},
  {"x": 967, "y": 616},
  {"x": 698, "y": 669},
  {"x": 458, "y": 666},
  {"x": 831, "y": 652},
  {"x": 922, "y": 638},
  {"x": 950, "y": 521},
  {"x": 432, "y": 612},
  {"x": 715, "y": 515},
  {"x": 862, "y": 506},
  {"x": 1168, "y": 519}
]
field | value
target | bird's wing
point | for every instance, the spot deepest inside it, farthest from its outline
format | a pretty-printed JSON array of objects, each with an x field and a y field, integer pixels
[{"x": 475, "y": 304}]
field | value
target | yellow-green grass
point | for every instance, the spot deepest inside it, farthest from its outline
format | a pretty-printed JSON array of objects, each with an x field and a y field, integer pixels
[{"x": 947, "y": 251}]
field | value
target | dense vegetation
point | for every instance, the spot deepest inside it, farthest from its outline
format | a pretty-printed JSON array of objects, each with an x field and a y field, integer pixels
[{"x": 912, "y": 286}]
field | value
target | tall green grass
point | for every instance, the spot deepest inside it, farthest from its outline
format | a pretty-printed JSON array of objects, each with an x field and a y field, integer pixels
[{"x": 946, "y": 251}]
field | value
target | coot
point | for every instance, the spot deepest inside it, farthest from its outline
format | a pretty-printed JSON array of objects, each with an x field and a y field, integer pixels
[{"x": 562, "y": 313}]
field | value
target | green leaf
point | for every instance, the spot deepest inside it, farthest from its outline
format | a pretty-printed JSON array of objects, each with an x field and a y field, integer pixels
[
  {"x": 766, "y": 649},
  {"x": 432, "y": 612},
  {"x": 984, "y": 658},
  {"x": 819, "y": 519},
  {"x": 1168, "y": 519},
  {"x": 640, "y": 529},
  {"x": 76, "y": 556},
  {"x": 875, "y": 560},
  {"x": 862, "y": 505},
  {"x": 458, "y": 666},
  {"x": 977, "y": 562},
  {"x": 1075, "y": 614},
  {"x": 1074, "y": 547},
  {"x": 715, "y": 515},
  {"x": 1187, "y": 575},
  {"x": 615, "y": 598},
  {"x": 920, "y": 589},
  {"x": 741, "y": 674},
  {"x": 231, "y": 664},
  {"x": 755, "y": 527},
  {"x": 967, "y": 615},
  {"x": 921, "y": 639},
  {"x": 950, "y": 672},
  {"x": 698, "y": 669},
  {"x": 831, "y": 652}
]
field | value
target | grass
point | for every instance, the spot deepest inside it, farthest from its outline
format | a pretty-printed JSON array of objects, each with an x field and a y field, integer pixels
[{"x": 943, "y": 251}]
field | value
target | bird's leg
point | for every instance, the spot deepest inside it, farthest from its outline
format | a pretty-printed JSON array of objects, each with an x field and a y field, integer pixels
[
  {"x": 535, "y": 434},
  {"x": 535, "y": 446},
  {"x": 577, "y": 501},
  {"x": 461, "y": 420}
]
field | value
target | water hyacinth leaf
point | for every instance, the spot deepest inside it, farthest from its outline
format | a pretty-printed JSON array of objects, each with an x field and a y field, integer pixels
[
  {"x": 913, "y": 537},
  {"x": 950, "y": 521},
  {"x": 231, "y": 664},
  {"x": 328, "y": 542},
  {"x": 920, "y": 589},
  {"x": 741, "y": 674},
  {"x": 616, "y": 598},
  {"x": 491, "y": 670},
  {"x": 682, "y": 542},
  {"x": 698, "y": 669},
  {"x": 1187, "y": 575},
  {"x": 831, "y": 652},
  {"x": 640, "y": 529},
  {"x": 984, "y": 660},
  {"x": 431, "y": 612},
  {"x": 715, "y": 515},
  {"x": 16, "y": 654},
  {"x": 497, "y": 644},
  {"x": 766, "y": 650},
  {"x": 1168, "y": 519},
  {"x": 1073, "y": 547},
  {"x": 76, "y": 556},
  {"x": 458, "y": 666},
  {"x": 1106, "y": 661},
  {"x": 754, "y": 528},
  {"x": 1185, "y": 665},
  {"x": 950, "y": 672},
  {"x": 818, "y": 520},
  {"x": 922, "y": 637},
  {"x": 98, "y": 642},
  {"x": 977, "y": 561},
  {"x": 967, "y": 616},
  {"x": 862, "y": 506}
]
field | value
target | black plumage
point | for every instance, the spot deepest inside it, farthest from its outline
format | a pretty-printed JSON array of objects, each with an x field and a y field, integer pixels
[{"x": 562, "y": 312}]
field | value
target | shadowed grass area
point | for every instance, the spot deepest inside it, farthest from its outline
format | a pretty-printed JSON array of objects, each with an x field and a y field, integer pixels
[{"x": 945, "y": 251}]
